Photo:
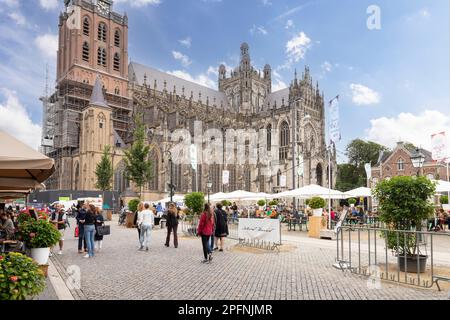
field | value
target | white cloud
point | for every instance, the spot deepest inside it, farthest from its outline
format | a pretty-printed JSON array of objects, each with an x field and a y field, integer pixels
[
  {"x": 48, "y": 44},
  {"x": 414, "y": 128},
  {"x": 184, "y": 59},
  {"x": 425, "y": 13},
  {"x": 278, "y": 84},
  {"x": 327, "y": 67},
  {"x": 49, "y": 4},
  {"x": 18, "y": 18},
  {"x": 266, "y": 3},
  {"x": 289, "y": 24},
  {"x": 186, "y": 42},
  {"x": 15, "y": 120},
  {"x": 296, "y": 47},
  {"x": 139, "y": 3},
  {"x": 258, "y": 29},
  {"x": 362, "y": 95},
  {"x": 10, "y": 3},
  {"x": 201, "y": 79},
  {"x": 213, "y": 70}
]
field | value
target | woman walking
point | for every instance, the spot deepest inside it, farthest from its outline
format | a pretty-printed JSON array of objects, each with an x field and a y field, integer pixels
[
  {"x": 145, "y": 222},
  {"x": 221, "y": 231},
  {"x": 140, "y": 208},
  {"x": 99, "y": 221},
  {"x": 205, "y": 230},
  {"x": 172, "y": 224},
  {"x": 89, "y": 230}
]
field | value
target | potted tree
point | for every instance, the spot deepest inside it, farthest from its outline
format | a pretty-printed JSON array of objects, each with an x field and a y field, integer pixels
[
  {"x": 352, "y": 202},
  {"x": 132, "y": 206},
  {"x": 195, "y": 201},
  {"x": 39, "y": 236},
  {"x": 20, "y": 277},
  {"x": 317, "y": 204},
  {"x": 403, "y": 205}
]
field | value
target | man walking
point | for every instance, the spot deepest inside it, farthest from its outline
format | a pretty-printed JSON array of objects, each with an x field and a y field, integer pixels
[{"x": 59, "y": 220}]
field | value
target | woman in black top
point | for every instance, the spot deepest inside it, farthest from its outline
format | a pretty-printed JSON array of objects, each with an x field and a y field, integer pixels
[
  {"x": 221, "y": 226},
  {"x": 172, "y": 224},
  {"x": 89, "y": 230},
  {"x": 99, "y": 221}
]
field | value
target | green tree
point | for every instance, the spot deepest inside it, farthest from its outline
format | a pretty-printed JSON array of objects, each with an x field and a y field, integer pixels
[
  {"x": 104, "y": 171},
  {"x": 360, "y": 152},
  {"x": 138, "y": 166},
  {"x": 348, "y": 177},
  {"x": 195, "y": 201}
]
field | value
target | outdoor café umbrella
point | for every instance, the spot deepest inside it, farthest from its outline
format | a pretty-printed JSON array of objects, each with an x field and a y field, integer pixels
[
  {"x": 21, "y": 167},
  {"x": 359, "y": 192},
  {"x": 313, "y": 190},
  {"x": 239, "y": 195}
]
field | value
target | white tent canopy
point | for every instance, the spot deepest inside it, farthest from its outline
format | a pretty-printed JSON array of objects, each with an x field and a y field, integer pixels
[
  {"x": 442, "y": 186},
  {"x": 313, "y": 190},
  {"x": 359, "y": 192},
  {"x": 176, "y": 198}
]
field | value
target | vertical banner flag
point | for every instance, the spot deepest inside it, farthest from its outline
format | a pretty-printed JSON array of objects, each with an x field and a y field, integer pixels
[
  {"x": 335, "y": 131},
  {"x": 193, "y": 152},
  {"x": 439, "y": 147},
  {"x": 225, "y": 176},
  {"x": 300, "y": 166},
  {"x": 282, "y": 181},
  {"x": 368, "y": 168}
]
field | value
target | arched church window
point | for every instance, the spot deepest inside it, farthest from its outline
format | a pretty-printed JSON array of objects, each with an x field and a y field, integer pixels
[
  {"x": 101, "y": 57},
  {"x": 116, "y": 62},
  {"x": 102, "y": 31},
  {"x": 85, "y": 52},
  {"x": 86, "y": 26},
  {"x": 117, "y": 38},
  {"x": 284, "y": 141}
]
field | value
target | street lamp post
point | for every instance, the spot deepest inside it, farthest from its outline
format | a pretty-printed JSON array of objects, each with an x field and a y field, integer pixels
[
  {"x": 418, "y": 159},
  {"x": 171, "y": 186},
  {"x": 209, "y": 186}
]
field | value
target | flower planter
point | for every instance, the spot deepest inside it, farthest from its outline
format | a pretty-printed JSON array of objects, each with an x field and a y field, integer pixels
[
  {"x": 40, "y": 255},
  {"x": 317, "y": 212},
  {"x": 411, "y": 263}
]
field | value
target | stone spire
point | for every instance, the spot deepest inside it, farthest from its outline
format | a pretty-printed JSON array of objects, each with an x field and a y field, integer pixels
[{"x": 97, "y": 98}]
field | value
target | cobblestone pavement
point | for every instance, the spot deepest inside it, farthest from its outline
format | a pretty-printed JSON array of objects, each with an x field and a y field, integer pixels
[{"x": 120, "y": 271}]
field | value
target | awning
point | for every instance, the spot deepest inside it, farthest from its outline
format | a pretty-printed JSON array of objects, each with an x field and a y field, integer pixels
[
  {"x": 359, "y": 192},
  {"x": 21, "y": 167}
]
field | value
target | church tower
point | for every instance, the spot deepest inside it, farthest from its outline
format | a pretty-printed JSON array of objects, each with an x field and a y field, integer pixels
[
  {"x": 92, "y": 49},
  {"x": 96, "y": 133}
]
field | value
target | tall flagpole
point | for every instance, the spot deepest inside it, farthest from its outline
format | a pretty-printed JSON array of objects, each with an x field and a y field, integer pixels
[{"x": 335, "y": 135}]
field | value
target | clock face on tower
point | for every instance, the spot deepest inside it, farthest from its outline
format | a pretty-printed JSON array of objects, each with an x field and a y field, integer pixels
[{"x": 103, "y": 7}]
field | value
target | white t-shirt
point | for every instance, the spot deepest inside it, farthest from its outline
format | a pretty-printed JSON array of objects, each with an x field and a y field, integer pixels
[{"x": 145, "y": 217}]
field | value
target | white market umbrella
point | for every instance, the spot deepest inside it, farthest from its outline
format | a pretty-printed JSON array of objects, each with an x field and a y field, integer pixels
[
  {"x": 239, "y": 195},
  {"x": 359, "y": 192},
  {"x": 313, "y": 190},
  {"x": 442, "y": 186},
  {"x": 216, "y": 196},
  {"x": 176, "y": 198}
]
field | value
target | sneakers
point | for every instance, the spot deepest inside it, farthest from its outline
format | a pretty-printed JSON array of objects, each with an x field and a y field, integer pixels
[
  {"x": 86, "y": 256},
  {"x": 210, "y": 257},
  {"x": 50, "y": 254},
  {"x": 204, "y": 260},
  {"x": 60, "y": 252},
  {"x": 216, "y": 248},
  {"x": 141, "y": 248},
  {"x": 221, "y": 250}
]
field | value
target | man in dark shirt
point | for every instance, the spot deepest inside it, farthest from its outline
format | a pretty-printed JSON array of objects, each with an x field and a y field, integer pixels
[{"x": 80, "y": 217}]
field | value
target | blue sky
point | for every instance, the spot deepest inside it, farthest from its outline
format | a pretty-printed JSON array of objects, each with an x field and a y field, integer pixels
[{"x": 393, "y": 82}]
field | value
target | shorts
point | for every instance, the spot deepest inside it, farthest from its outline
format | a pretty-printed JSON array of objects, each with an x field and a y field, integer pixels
[{"x": 61, "y": 232}]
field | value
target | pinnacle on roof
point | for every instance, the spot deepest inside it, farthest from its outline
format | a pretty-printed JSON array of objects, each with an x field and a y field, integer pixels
[{"x": 97, "y": 97}]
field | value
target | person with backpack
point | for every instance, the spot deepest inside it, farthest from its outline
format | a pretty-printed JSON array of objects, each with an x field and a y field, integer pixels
[
  {"x": 221, "y": 230},
  {"x": 172, "y": 224},
  {"x": 59, "y": 220},
  {"x": 205, "y": 231}
]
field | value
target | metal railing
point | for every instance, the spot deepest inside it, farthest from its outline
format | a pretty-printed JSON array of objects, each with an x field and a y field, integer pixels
[
  {"x": 379, "y": 253},
  {"x": 189, "y": 226}
]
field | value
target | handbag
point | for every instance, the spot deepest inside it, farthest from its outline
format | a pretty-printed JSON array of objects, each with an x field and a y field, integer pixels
[
  {"x": 103, "y": 230},
  {"x": 77, "y": 232}
]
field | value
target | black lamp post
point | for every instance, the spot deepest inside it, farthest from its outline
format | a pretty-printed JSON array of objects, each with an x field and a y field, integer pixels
[
  {"x": 209, "y": 186},
  {"x": 418, "y": 159},
  {"x": 171, "y": 186}
]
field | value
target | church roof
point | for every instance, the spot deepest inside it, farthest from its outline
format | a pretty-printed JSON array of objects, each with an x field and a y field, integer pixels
[
  {"x": 97, "y": 98},
  {"x": 277, "y": 98},
  {"x": 138, "y": 71}
]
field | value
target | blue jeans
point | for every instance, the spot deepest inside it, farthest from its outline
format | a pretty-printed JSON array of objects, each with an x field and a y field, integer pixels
[
  {"x": 89, "y": 232},
  {"x": 145, "y": 234}
]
